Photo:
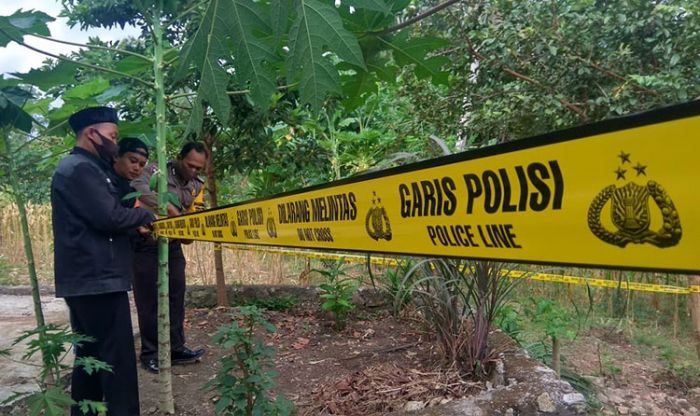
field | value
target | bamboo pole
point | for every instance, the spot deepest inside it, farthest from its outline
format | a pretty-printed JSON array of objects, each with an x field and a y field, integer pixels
[{"x": 167, "y": 404}]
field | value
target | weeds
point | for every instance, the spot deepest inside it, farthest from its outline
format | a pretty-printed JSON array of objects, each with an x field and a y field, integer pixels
[
  {"x": 337, "y": 291},
  {"x": 50, "y": 341},
  {"x": 245, "y": 379}
]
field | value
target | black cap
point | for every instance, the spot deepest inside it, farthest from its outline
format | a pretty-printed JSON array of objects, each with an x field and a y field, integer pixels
[
  {"x": 133, "y": 144},
  {"x": 92, "y": 115}
]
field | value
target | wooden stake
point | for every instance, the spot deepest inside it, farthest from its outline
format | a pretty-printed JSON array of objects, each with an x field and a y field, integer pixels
[{"x": 694, "y": 281}]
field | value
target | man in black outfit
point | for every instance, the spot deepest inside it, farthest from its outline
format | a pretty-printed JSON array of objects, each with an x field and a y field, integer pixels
[{"x": 93, "y": 258}]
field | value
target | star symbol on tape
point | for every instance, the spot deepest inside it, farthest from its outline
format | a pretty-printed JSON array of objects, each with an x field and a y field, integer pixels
[
  {"x": 620, "y": 173},
  {"x": 624, "y": 157},
  {"x": 641, "y": 169}
]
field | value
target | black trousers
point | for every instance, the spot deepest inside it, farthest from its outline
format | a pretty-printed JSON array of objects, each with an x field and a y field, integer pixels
[
  {"x": 107, "y": 319},
  {"x": 146, "y": 297}
]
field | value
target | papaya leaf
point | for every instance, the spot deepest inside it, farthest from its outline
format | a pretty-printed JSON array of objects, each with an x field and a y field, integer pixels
[
  {"x": 12, "y": 99},
  {"x": 15, "y": 26},
  {"x": 279, "y": 18},
  {"x": 252, "y": 55},
  {"x": 111, "y": 93},
  {"x": 153, "y": 182},
  {"x": 204, "y": 50},
  {"x": 132, "y": 195},
  {"x": 317, "y": 29},
  {"x": 375, "y": 5},
  {"x": 60, "y": 74},
  {"x": 92, "y": 407},
  {"x": 173, "y": 199},
  {"x": 133, "y": 65},
  {"x": 87, "y": 90},
  {"x": 52, "y": 402},
  {"x": 91, "y": 364}
]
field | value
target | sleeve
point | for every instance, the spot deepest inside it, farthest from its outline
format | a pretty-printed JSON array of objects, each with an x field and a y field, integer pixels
[
  {"x": 148, "y": 198},
  {"x": 88, "y": 196}
]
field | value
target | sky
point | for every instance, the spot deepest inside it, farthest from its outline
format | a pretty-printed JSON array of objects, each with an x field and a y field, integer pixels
[{"x": 16, "y": 58}]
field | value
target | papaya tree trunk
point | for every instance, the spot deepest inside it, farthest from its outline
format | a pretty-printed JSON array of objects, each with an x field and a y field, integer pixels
[
  {"x": 26, "y": 236},
  {"x": 221, "y": 296},
  {"x": 556, "y": 347},
  {"x": 167, "y": 404}
]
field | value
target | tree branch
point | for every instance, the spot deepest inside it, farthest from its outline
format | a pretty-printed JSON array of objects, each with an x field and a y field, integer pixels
[
  {"x": 239, "y": 92},
  {"x": 83, "y": 64},
  {"x": 567, "y": 104},
  {"x": 615, "y": 75},
  {"x": 82, "y": 45},
  {"x": 419, "y": 17}
]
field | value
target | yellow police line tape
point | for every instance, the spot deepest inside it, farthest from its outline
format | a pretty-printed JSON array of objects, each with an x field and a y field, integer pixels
[{"x": 514, "y": 274}]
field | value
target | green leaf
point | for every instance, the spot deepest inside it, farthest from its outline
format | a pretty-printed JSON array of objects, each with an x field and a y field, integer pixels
[
  {"x": 173, "y": 199},
  {"x": 111, "y": 94},
  {"x": 153, "y": 182},
  {"x": 92, "y": 407},
  {"x": 414, "y": 51},
  {"x": 91, "y": 364},
  {"x": 52, "y": 402},
  {"x": 142, "y": 129},
  {"x": 21, "y": 22},
  {"x": 317, "y": 29},
  {"x": 375, "y": 5},
  {"x": 12, "y": 99},
  {"x": 279, "y": 18},
  {"x": 252, "y": 55},
  {"x": 132, "y": 195},
  {"x": 87, "y": 90},
  {"x": 45, "y": 78},
  {"x": 204, "y": 50},
  {"x": 133, "y": 65}
]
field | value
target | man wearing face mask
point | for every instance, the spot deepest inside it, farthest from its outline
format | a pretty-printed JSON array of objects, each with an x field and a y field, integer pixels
[
  {"x": 92, "y": 266},
  {"x": 184, "y": 183}
]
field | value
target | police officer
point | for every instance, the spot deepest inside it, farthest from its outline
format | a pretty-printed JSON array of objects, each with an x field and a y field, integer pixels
[
  {"x": 184, "y": 183},
  {"x": 92, "y": 258}
]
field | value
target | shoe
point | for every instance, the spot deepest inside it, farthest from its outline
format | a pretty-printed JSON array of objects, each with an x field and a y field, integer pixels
[
  {"x": 186, "y": 355},
  {"x": 151, "y": 365}
]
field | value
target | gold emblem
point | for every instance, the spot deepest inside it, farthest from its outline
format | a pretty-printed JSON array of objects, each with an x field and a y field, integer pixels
[
  {"x": 271, "y": 226},
  {"x": 631, "y": 213},
  {"x": 377, "y": 222}
]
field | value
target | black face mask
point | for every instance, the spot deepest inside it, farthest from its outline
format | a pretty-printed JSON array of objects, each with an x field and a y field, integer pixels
[{"x": 107, "y": 150}]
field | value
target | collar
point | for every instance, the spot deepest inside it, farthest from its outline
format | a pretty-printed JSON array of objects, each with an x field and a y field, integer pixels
[{"x": 80, "y": 151}]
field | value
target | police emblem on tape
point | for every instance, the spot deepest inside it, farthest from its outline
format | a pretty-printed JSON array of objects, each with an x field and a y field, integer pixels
[
  {"x": 631, "y": 213},
  {"x": 377, "y": 222}
]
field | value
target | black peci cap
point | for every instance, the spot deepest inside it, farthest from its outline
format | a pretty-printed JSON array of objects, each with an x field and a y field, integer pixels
[
  {"x": 132, "y": 144},
  {"x": 92, "y": 115}
]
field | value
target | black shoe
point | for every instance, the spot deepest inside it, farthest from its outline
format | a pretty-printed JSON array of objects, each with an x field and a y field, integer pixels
[
  {"x": 186, "y": 355},
  {"x": 151, "y": 365}
]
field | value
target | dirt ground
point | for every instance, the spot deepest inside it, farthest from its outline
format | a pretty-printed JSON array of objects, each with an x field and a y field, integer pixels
[
  {"x": 628, "y": 382},
  {"x": 374, "y": 366},
  {"x": 378, "y": 364}
]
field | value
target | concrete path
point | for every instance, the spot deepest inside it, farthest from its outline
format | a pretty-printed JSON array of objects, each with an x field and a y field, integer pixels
[{"x": 17, "y": 316}]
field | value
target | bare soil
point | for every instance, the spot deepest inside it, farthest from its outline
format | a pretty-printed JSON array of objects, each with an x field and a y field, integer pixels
[{"x": 374, "y": 366}]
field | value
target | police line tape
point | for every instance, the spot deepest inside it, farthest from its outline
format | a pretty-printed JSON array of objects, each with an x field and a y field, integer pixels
[
  {"x": 514, "y": 274},
  {"x": 619, "y": 194}
]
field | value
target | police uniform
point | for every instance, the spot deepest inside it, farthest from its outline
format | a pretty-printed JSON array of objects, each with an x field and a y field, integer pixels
[
  {"x": 92, "y": 253},
  {"x": 191, "y": 197}
]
